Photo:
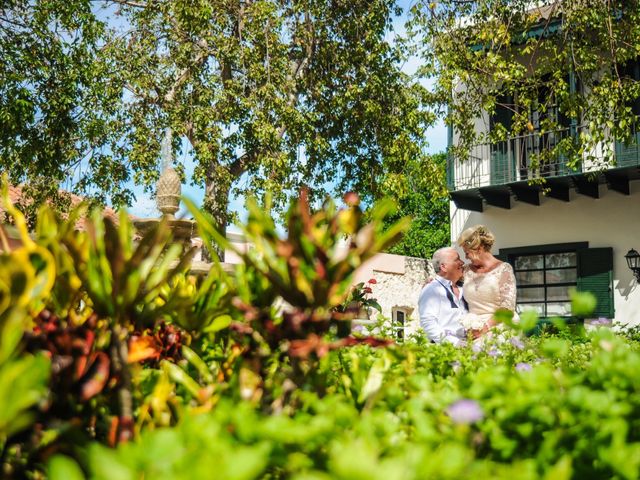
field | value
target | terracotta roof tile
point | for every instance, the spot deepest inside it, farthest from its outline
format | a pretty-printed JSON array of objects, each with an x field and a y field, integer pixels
[{"x": 16, "y": 195}]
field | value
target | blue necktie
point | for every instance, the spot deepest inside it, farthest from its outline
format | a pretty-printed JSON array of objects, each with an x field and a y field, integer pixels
[{"x": 451, "y": 299}]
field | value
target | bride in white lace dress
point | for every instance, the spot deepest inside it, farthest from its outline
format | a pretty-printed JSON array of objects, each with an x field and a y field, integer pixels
[{"x": 489, "y": 283}]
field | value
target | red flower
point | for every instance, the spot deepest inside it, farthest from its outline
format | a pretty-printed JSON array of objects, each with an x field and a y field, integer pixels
[
  {"x": 305, "y": 347},
  {"x": 351, "y": 199},
  {"x": 371, "y": 341}
]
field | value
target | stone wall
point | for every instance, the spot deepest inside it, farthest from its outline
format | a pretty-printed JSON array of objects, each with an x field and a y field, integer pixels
[{"x": 399, "y": 281}]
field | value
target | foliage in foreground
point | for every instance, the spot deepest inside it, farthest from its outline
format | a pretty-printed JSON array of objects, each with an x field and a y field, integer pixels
[
  {"x": 114, "y": 363},
  {"x": 556, "y": 408},
  {"x": 136, "y": 343}
]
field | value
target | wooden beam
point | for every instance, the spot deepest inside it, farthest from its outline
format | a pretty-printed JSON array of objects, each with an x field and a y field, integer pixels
[
  {"x": 586, "y": 186},
  {"x": 527, "y": 193},
  {"x": 618, "y": 183},
  {"x": 468, "y": 202},
  {"x": 559, "y": 188},
  {"x": 497, "y": 198}
]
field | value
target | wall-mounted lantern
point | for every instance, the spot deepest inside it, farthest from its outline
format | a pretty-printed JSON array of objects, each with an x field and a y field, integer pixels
[{"x": 633, "y": 262}]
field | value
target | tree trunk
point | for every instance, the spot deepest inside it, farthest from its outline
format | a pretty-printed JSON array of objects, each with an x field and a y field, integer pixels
[{"x": 216, "y": 203}]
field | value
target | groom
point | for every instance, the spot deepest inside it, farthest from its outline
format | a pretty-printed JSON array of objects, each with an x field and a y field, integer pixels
[{"x": 441, "y": 304}]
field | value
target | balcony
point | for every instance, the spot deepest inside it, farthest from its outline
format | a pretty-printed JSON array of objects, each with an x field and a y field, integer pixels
[{"x": 526, "y": 167}]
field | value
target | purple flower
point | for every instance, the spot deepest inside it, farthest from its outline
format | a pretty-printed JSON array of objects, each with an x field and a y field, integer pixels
[
  {"x": 357, "y": 329},
  {"x": 494, "y": 352},
  {"x": 476, "y": 347},
  {"x": 523, "y": 367},
  {"x": 517, "y": 342},
  {"x": 465, "y": 411}
]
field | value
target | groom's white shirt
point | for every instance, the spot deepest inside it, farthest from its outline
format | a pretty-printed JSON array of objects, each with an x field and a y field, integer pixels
[{"x": 438, "y": 318}]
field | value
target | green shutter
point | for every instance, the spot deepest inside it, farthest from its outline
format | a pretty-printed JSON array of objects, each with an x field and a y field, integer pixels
[
  {"x": 451, "y": 171},
  {"x": 502, "y": 158},
  {"x": 595, "y": 275},
  {"x": 501, "y": 167},
  {"x": 570, "y": 123},
  {"x": 628, "y": 154}
]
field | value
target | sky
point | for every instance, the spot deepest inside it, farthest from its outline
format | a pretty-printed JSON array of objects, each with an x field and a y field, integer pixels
[{"x": 145, "y": 205}]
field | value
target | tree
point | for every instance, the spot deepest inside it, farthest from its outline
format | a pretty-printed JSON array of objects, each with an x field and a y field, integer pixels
[
  {"x": 58, "y": 103},
  {"x": 573, "y": 54},
  {"x": 421, "y": 194},
  {"x": 281, "y": 93}
]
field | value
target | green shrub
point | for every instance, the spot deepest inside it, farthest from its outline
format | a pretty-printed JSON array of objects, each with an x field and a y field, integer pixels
[{"x": 115, "y": 363}]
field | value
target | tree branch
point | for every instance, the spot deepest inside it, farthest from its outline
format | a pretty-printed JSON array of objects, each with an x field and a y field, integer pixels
[
  {"x": 130, "y": 3},
  {"x": 184, "y": 73}
]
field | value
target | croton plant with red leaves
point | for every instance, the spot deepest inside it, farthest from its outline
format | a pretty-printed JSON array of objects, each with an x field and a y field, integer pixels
[
  {"x": 293, "y": 293},
  {"x": 133, "y": 340}
]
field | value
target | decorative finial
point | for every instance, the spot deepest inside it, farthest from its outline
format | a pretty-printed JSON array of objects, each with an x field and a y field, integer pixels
[{"x": 169, "y": 186}]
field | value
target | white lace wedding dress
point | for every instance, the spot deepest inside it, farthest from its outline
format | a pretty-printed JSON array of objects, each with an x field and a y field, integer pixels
[{"x": 487, "y": 292}]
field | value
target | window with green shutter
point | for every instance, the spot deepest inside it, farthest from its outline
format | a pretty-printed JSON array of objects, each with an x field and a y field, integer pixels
[
  {"x": 595, "y": 275},
  {"x": 545, "y": 274}
]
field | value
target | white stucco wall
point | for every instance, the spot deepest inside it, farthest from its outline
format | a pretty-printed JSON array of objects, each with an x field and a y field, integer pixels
[{"x": 610, "y": 221}]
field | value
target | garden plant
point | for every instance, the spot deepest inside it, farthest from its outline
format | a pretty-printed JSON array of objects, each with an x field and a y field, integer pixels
[{"x": 116, "y": 363}]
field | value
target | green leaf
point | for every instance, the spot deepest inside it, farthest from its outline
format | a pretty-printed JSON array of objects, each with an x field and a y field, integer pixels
[
  {"x": 107, "y": 464},
  {"x": 556, "y": 347},
  {"x": 23, "y": 384},
  {"x": 374, "y": 380},
  {"x": 562, "y": 470},
  {"x": 181, "y": 377},
  {"x": 193, "y": 358},
  {"x": 504, "y": 316},
  {"x": 583, "y": 304},
  {"x": 528, "y": 320},
  {"x": 63, "y": 468},
  {"x": 219, "y": 323}
]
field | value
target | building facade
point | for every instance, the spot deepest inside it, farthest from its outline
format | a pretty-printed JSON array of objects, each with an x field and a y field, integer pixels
[{"x": 560, "y": 227}]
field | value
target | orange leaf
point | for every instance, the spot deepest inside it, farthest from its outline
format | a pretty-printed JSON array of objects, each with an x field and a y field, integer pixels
[
  {"x": 143, "y": 348},
  {"x": 96, "y": 377}
]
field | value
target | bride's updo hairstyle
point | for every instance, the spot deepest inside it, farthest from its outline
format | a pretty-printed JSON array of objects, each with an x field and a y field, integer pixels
[{"x": 476, "y": 238}]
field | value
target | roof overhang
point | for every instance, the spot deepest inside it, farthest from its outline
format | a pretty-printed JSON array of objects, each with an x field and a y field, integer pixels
[{"x": 559, "y": 188}]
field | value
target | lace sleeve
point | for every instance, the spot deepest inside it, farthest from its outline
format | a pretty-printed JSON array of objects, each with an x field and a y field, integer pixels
[{"x": 507, "y": 285}]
